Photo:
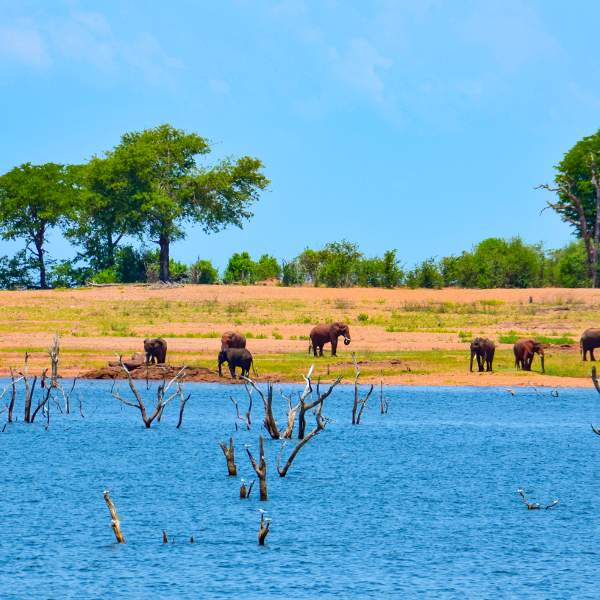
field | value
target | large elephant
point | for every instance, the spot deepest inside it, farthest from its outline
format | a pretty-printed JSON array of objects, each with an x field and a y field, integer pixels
[
  {"x": 328, "y": 334},
  {"x": 524, "y": 351},
  {"x": 236, "y": 357},
  {"x": 590, "y": 339},
  {"x": 232, "y": 339},
  {"x": 483, "y": 349},
  {"x": 156, "y": 350}
]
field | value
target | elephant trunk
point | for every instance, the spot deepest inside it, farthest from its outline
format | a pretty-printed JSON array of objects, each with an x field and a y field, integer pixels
[{"x": 346, "y": 340}]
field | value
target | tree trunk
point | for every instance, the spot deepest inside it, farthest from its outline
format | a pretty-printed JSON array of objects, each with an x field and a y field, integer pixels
[
  {"x": 164, "y": 257},
  {"x": 39, "y": 250}
]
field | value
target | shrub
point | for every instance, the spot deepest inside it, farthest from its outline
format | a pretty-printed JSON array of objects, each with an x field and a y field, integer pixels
[
  {"x": 240, "y": 269},
  {"x": 202, "y": 271},
  {"x": 267, "y": 267}
]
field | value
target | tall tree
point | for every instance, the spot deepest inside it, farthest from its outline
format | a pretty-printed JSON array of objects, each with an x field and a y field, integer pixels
[
  {"x": 108, "y": 209},
  {"x": 173, "y": 189},
  {"x": 577, "y": 189},
  {"x": 33, "y": 199}
]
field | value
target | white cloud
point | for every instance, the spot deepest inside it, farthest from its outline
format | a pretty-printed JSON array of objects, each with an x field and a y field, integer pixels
[
  {"x": 22, "y": 43},
  {"x": 362, "y": 66},
  {"x": 86, "y": 37}
]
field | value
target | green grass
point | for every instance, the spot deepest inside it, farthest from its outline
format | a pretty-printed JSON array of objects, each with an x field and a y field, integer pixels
[{"x": 512, "y": 336}]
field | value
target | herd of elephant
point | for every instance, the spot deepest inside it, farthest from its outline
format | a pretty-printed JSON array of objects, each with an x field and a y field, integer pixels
[
  {"x": 525, "y": 350},
  {"x": 235, "y": 354}
]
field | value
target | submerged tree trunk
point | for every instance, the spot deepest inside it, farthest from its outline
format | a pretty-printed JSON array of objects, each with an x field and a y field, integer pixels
[{"x": 163, "y": 241}]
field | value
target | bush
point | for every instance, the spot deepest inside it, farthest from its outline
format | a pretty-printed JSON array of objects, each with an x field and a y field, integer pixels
[
  {"x": 178, "y": 270},
  {"x": 65, "y": 274},
  {"x": 425, "y": 275},
  {"x": 202, "y": 271},
  {"x": 130, "y": 265},
  {"x": 292, "y": 273},
  {"x": 267, "y": 267},
  {"x": 15, "y": 271},
  {"x": 105, "y": 276},
  {"x": 240, "y": 269}
]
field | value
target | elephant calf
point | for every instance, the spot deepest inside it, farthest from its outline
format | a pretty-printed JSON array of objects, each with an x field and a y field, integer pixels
[
  {"x": 483, "y": 349},
  {"x": 236, "y": 357},
  {"x": 156, "y": 350}
]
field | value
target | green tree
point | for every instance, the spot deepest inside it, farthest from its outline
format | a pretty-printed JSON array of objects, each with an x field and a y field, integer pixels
[
  {"x": 108, "y": 209},
  {"x": 173, "y": 189},
  {"x": 292, "y": 273},
  {"x": 34, "y": 199},
  {"x": 310, "y": 262},
  {"x": 240, "y": 268},
  {"x": 203, "y": 271},
  {"x": 577, "y": 189},
  {"x": 392, "y": 273},
  {"x": 339, "y": 264},
  {"x": 129, "y": 265},
  {"x": 15, "y": 271},
  {"x": 425, "y": 275},
  {"x": 567, "y": 266},
  {"x": 267, "y": 267}
]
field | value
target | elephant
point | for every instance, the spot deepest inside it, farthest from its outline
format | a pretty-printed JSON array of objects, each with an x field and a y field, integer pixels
[
  {"x": 236, "y": 357},
  {"x": 328, "y": 334},
  {"x": 483, "y": 349},
  {"x": 156, "y": 350},
  {"x": 590, "y": 339},
  {"x": 524, "y": 351},
  {"x": 232, "y": 339}
]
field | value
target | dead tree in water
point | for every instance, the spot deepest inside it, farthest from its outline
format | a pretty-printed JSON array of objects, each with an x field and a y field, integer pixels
[
  {"x": 260, "y": 468},
  {"x": 304, "y": 407},
  {"x": 269, "y": 421},
  {"x": 320, "y": 425},
  {"x": 356, "y": 412},
  {"x": 383, "y": 402},
  {"x": 535, "y": 505},
  {"x": 247, "y": 418},
  {"x": 115, "y": 523},
  {"x": 162, "y": 400},
  {"x": 229, "y": 453},
  {"x": 291, "y": 418},
  {"x": 246, "y": 491},
  {"x": 597, "y": 386},
  {"x": 263, "y": 528}
]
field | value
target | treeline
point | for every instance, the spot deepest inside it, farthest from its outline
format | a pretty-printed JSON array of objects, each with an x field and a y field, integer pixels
[{"x": 493, "y": 263}]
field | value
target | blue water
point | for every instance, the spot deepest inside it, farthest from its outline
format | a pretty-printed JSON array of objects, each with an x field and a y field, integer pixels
[{"x": 420, "y": 502}]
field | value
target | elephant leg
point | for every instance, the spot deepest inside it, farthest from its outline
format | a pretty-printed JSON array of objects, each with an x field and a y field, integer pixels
[
  {"x": 232, "y": 371},
  {"x": 471, "y": 362},
  {"x": 480, "y": 362},
  {"x": 334, "y": 347},
  {"x": 592, "y": 357},
  {"x": 320, "y": 350}
]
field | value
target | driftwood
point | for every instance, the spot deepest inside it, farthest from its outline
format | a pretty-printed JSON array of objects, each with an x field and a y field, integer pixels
[
  {"x": 260, "y": 468},
  {"x": 263, "y": 528},
  {"x": 162, "y": 400},
  {"x": 183, "y": 400},
  {"x": 291, "y": 418},
  {"x": 357, "y": 412},
  {"x": 229, "y": 453},
  {"x": 115, "y": 523}
]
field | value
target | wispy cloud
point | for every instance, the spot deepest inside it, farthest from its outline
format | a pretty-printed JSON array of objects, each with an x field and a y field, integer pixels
[
  {"x": 86, "y": 37},
  {"x": 22, "y": 43}
]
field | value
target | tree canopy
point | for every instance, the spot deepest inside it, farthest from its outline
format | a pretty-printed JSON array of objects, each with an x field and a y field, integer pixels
[
  {"x": 161, "y": 172},
  {"x": 33, "y": 199}
]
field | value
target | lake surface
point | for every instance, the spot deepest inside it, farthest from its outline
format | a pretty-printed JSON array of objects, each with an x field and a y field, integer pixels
[{"x": 420, "y": 502}]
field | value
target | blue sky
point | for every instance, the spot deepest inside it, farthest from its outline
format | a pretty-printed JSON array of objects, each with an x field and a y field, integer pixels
[{"x": 420, "y": 125}]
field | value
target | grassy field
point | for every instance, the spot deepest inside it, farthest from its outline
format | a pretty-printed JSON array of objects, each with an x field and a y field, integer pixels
[{"x": 401, "y": 335}]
